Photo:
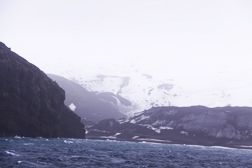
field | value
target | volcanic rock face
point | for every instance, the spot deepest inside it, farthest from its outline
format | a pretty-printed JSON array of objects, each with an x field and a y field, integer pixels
[
  {"x": 190, "y": 125},
  {"x": 31, "y": 104},
  {"x": 222, "y": 122}
]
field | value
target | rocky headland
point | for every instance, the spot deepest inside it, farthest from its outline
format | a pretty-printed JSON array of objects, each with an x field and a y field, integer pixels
[{"x": 31, "y": 104}]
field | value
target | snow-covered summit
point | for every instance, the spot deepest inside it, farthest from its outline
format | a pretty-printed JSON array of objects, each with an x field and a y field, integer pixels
[{"x": 160, "y": 86}]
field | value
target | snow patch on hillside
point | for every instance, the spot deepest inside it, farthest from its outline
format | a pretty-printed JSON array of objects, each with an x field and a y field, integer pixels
[
  {"x": 155, "y": 86},
  {"x": 72, "y": 106}
]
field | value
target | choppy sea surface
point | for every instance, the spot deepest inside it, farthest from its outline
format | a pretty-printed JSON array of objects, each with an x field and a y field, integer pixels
[{"x": 41, "y": 152}]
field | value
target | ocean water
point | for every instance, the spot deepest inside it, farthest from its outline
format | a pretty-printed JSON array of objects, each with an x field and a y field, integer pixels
[{"x": 40, "y": 152}]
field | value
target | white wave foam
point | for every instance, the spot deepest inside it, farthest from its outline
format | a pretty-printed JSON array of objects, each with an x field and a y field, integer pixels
[
  {"x": 68, "y": 142},
  {"x": 222, "y": 147},
  {"x": 17, "y": 137},
  {"x": 32, "y": 163},
  {"x": 28, "y": 143},
  {"x": 12, "y": 153},
  {"x": 117, "y": 160}
]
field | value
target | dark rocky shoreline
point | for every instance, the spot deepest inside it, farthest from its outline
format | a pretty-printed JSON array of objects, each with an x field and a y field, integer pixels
[{"x": 151, "y": 140}]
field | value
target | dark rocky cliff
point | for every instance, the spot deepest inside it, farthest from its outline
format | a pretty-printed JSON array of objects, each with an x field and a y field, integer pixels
[{"x": 31, "y": 104}]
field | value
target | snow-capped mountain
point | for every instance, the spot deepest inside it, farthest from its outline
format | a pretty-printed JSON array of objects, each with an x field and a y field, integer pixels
[{"x": 160, "y": 86}]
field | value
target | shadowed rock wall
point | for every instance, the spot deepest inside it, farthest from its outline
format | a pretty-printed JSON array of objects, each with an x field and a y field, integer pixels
[{"x": 31, "y": 104}]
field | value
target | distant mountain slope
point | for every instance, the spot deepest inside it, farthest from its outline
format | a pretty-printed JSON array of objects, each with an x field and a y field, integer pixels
[
  {"x": 228, "y": 126},
  {"x": 90, "y": 105},
  {"x": 147, "y": 88},
  {"x": 145, "y": 91},
  {"x": 31, "y": 104}
]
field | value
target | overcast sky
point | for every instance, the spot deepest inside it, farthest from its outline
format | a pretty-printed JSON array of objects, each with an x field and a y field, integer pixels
[{"x": 196, "y": 38}]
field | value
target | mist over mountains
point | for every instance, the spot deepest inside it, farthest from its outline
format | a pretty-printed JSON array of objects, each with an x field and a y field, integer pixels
[
  {"x": 158, "y": 86},
  {"x": 203, "y": 55}
]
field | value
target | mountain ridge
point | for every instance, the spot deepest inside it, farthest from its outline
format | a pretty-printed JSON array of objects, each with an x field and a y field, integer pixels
[
  {"x": 146, "y": 91},
  {"x": 199, "y": 125}
]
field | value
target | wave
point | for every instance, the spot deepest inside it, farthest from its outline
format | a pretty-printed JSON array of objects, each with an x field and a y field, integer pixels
[
  {"x": 68, "y": 142},
  {"x": 222, "y": 147},
  {"x": 28, "y": 163},
  {"x": 17, "y": 137},
  {"x": 28, "y": 144},
  {"x": 12, "y": 152}
]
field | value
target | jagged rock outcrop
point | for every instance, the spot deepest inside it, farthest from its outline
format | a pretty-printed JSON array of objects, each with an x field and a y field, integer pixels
[
  {"x": 31, "y": 104},
  {"x": 90, "y": 106},
  {"x": 190, "y": 125},
  {"x": 221, "y": 122}
]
